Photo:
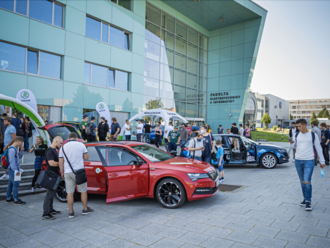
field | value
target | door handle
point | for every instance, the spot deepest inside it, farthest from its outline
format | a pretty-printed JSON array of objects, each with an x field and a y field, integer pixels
[{"x": 112, "y": 175}]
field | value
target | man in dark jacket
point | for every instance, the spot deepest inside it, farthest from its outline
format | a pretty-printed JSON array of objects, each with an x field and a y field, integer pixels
[{"x": 293, "y": 130}]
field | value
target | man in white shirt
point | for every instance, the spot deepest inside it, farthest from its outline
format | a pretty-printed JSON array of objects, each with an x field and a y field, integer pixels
[
  {"x": 196, "y": 147},
  {"x": 304, "y": 159},
  {"x": 139, "y": 129},
  {"x": 241, "y": 130},
  {"x": 127, "y": 128},
  {"x": 74, "y": 152},
  {"x": 168, "y": 130}
]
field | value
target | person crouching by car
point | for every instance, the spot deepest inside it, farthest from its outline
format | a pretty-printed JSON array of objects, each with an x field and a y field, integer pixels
[
  {"x": 71, "y": 159},
  {"x": 14, "y": 166},
  {"x": 196, "y": 147},
  {"x": 39, "y": 151},
  {"x": 52, "y": 163}
]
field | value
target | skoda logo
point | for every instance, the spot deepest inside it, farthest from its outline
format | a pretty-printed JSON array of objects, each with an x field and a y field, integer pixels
[
  {"x": 101, "y": 106},
  {"x": 24, "y": 94},
  {"x": 280, "y": 105}
]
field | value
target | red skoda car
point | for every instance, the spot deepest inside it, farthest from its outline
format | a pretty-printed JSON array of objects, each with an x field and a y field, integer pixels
[{"x": 124, "y": 170}]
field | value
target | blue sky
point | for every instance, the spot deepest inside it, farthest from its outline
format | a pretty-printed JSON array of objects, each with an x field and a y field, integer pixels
[{"x": 294, "y": 55}]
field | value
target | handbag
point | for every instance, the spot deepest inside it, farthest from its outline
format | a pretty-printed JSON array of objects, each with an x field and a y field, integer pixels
[
  {"x": 80, "y": 174},
  {"x": 48, "y": 179}
]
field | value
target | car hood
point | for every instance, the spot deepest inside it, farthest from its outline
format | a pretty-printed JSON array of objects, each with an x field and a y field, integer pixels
[
  {"x": 185, "y": 164},
  {"x": 269, "y": 146}
]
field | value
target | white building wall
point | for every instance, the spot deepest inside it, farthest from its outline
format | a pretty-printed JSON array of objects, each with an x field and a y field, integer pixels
[{"x": 278, "y": 110}]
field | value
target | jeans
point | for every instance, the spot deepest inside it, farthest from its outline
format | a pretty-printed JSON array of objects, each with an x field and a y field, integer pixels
[
  {"x": 12, "y": 186},
  {"x": 157, "y": 141},
  {"x": 48, "y": 202},
  {"x": 128, "y": 137},
  {"x": 206, "y": 158},
  {"x": 38, "y": 161},
  {"x": 171, "y": 146},
  {"x": 139, "y": 137},
  {"x": 197, "y": 158},
  {"x": 147, "y": 137},
  {"x": 182, "y": 142},
  {"x": 325, "y": 149},
  {"x": 305, "y": 171},
  {"x": 26, "y": 143}
]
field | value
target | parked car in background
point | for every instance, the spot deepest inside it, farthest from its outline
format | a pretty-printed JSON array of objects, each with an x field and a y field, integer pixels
[
  {"x": 241, "y": 150},
  {"x": 76, "y": 124},
  {"x": 124, "y": 170},
  {"x": 62, "y": 130}
]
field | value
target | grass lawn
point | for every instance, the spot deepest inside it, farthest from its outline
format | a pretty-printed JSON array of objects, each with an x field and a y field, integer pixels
[{"x": 270, "y": 136}]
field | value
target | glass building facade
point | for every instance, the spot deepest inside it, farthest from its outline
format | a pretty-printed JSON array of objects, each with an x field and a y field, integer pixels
[{"x": 193, "y": 57}]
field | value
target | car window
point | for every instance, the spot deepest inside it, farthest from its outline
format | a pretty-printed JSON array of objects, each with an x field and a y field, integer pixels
[
  {"x": 221, "y": 138},
  {"x": 113, "y": 156},
  {"x": 63, "y": 131},
  {"x": 246, "y": 142},
  {"x": 93, "y": 154},
  {"x": 152, "y": 153}
]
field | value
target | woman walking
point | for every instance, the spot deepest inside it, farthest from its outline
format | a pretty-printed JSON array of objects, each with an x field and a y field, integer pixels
[
  {"x": 39, "y": 151},
  {"x": 158, "y": 133}
]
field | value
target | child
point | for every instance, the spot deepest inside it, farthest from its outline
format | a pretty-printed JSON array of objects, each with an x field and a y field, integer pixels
[{"x": 220, "y": 159}]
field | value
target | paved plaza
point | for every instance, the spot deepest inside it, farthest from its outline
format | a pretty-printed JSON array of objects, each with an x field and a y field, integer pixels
[{"x": 265, "y": 212}]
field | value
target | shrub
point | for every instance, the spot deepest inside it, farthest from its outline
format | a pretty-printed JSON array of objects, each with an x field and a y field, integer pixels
[{"x": 275, "y": 127}]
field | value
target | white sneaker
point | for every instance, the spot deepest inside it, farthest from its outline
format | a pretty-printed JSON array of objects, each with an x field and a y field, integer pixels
[
  {"x": 4, "y": 177},
  {"x": 222, "y": 180},
  {"x": 32, "y": 189}
]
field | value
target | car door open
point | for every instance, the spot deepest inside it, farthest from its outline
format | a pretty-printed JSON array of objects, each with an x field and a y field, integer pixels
[{"x": 127, "y": 174}]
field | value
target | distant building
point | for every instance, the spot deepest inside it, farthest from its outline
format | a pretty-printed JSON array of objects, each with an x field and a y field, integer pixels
[{"x": 304, "y": 108}]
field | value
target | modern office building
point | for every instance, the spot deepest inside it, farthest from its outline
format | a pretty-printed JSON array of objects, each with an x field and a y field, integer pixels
[
  {"x": 304, "y": 108},
  {"x": 193, "y": 57}
]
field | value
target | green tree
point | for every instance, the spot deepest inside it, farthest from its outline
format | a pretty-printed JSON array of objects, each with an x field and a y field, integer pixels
[
  {"x": 326, "y": 114},
  {"x": 320, "y": 115},
  {"x": 314, "y": 118},
  {"x": 291, "y": 117},
  {"x": 266, "y": 119},
  {"x": 154, "y": 104}
]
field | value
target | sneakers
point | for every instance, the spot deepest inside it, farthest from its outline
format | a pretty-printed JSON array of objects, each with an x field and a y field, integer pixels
[
  {"x": 88, "y": 211},
  {"x": 71, "y": 215},
  {"x": 222, "y": 179},
  {"x": 54, "y": 212},
  {"x": 303, "y": 203},
  {"x": 48, "y": 217},
  {"x": 4, "y": 177},
  {"x": 308, "y": 206},
  {"x": 32, "y": 189},
  {"x": 19, "y": 202},
  {"x": 11, "y": 200}
]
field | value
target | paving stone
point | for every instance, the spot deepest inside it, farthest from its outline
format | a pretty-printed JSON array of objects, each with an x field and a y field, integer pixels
[
  {"x": 172, "y": 233},
  {"x": 216, "y": 242},
  {"x": 193, "y": 238},
  {"x": 269, "y": 242},
  {"x": 318, "y": 241},
  {"x": 167, "y": 243},
  {"x": 218, "y": 222},
  {"x": 118, "y": 243},
  {"x": 240, "y": 226},
  {"x": 153, "y": 228},
  {"x": 218, "y": 232},
  {"x": 196, "y": 227},
  {"x": 128, "y": 233},
  {"x": 146, "y": 239},
  {"x": 178, "y": 223},
  {"x": 317, "y": 231},
  {"x": 242, "y": 237},
  {"x": 238, "y": 217},
  {"x": 72, "y": 243},
  {"x": 291, "y": 226},
  {"x": 305, "y": 221},
  {"x": 292, "y": 236},
  {"x": 260, "y": 221},
  {"x": 239, "y": 245},
  {"x": 284, "y": 217},
  {"x": 30, "y": 243},
  {"x": 51, "y": 237},
  {"x": 112, "y": 229},
  {"x": 265, "y": 231},
  {"x": 160, "y": 219},
  {"x": 324, "y": 224},
  {"x": 295, "y": 245}
]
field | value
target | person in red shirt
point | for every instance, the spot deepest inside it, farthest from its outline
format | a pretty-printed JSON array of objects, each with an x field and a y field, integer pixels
[{"x": 189, "y": 128}]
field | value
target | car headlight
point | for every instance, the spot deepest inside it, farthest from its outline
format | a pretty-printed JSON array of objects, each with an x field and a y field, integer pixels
[
  {"x": 282, "y": 150},
  {"x": 196, "y": 176}
]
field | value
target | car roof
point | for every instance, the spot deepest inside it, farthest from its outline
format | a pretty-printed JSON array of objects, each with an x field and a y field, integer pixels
[{"x": 119, "y": 142}]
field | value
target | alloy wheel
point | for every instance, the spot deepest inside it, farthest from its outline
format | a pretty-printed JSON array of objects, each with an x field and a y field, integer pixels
[
  {"x": 269, "y": 161},
  {"x": 169, "y": 194},
  {"x": 61, "y": 194}
]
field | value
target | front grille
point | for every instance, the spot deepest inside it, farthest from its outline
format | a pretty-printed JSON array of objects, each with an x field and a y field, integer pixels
[
  {"x": 205, "y": 191},
  {"x": 213, "y": 175}
]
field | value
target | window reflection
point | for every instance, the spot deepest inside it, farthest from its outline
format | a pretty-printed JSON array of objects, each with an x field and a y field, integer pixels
[
  {"x": 87, "y": 73},
  {"x": 12, "y": 57},
  {"x": 58, "y": 15},
  {"x": 122, "y": 80},
  {"x": 41, "y": 10},
  {"x": 151, "y": 87},
  {"x": 50, "y": 65},
  {"x": 116, "y": 37},
  {"x": 9, "y": 5},
  {"x": 32, "y": 62},
  {"x": 21, "y": 6},
  {"x": 151, "y": 50},
  {"x": 151, "y": 68},
  {"x": 93, "y": 28},
  {"x": 99, "y": 75},
  {"x": 105, "y": 32}
]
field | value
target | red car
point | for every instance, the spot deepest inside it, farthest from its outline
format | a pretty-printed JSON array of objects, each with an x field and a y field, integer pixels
[{"x": 124, "y": 170}]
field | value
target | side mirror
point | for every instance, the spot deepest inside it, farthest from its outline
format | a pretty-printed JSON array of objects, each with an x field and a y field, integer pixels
[{"x": 139, "y": 161}]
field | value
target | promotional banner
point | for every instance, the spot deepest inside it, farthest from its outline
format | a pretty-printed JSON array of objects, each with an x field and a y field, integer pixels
[
  {"x": 28, "y": 98},
  {"x": 103, "y": 111}
]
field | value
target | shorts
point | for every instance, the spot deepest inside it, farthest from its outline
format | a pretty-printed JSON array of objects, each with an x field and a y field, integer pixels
[{"x": 70, "y": 184}]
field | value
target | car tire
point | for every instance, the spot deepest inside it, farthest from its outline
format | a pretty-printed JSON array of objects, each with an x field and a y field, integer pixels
[
  {"x": 268, "y": 161},
  {"x": 60, "y": 193},
  {"x": 170, "y": 193}
]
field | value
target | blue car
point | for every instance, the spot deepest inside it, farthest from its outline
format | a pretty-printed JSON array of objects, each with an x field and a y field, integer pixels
[{"x": 241, "y": 150}]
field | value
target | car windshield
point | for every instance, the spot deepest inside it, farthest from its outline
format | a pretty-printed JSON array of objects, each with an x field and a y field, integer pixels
[
  {"x": 152, "y": 153},
  {"x": 62, "y": 131}
]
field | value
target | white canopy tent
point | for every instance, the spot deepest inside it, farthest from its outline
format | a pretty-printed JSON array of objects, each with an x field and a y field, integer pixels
[
  {"x": 154, "y": 115},
  {"x": 26, "y": 109}
]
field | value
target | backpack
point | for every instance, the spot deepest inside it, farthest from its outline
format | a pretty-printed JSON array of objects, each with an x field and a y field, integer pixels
[
  {"x": 89, "y": 128},
  {"x": 4, "y": 160},
  {"x": 313, "y": 138}
]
